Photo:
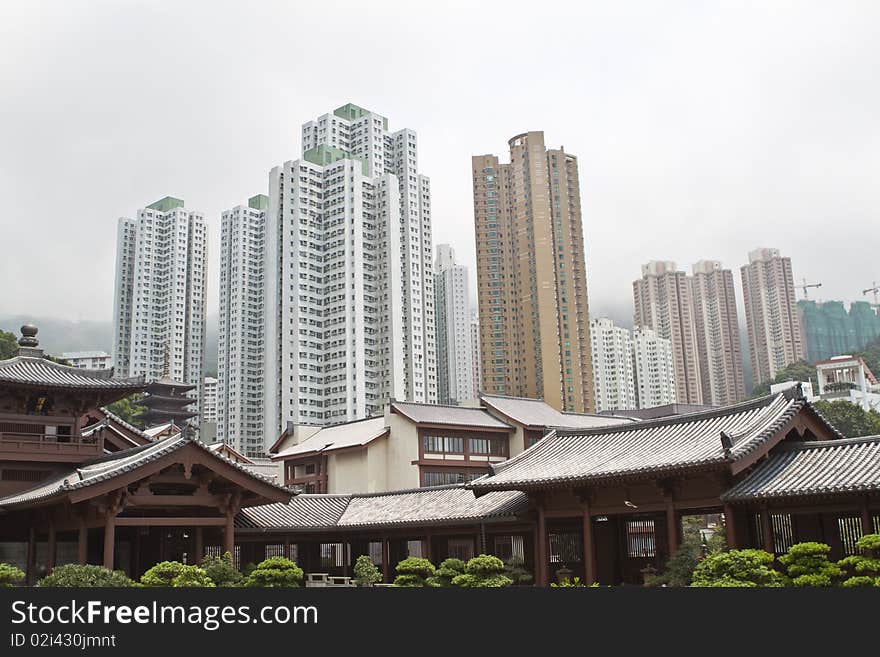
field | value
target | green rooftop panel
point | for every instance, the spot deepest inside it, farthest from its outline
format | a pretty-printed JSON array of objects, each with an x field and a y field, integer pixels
[
  {"x": 350, "y": 112},
  {"x": 166, "y": 204},
  {"x": 258, "y": 202},
  {"x": 324, "y": 155}
]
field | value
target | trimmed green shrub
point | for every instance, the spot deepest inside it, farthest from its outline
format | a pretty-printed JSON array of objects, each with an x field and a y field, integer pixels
[
  {"x": 737, "y": 568},
  {"x": 221, "y": 570},
  {"x": 862, "y": 569},
  {"x": 192, "y": 576},
  {"x": 10, "y": 575},
  {"x": 808, "y": 565},
  {"x": 275, "y": 571},
  {"x": 515, "y": 569},
  {"x": 447, "y": 571},
  {"x": 414, "y": 572},
  {"x": 573, "y": 583},
  {"x": 365, "y": 571},
  {"x": 483, "y": 571},
  {"x": 162, "y": 574},
  {"x": 76, "y": 575}
]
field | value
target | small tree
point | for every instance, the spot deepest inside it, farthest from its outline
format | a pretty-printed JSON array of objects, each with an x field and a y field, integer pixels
[
  {"x": 221, "y": 570},
  {"x": 275, "y": 571},
  {"x": 448, "y": 570},
  {"x": 162, "y": 574},
  {"x": 192, "y": 576},
  {"x": 515, "y": 569},
  {"x": 10, "y": 575},
  {"x": 807, "y": 565},
  {"x": 414, "y": 572},
  {"x": 863, "y": 569},
  {"x": 483, "y": 571},
  {"x": 365, "y": 571},
  {"x": 76, "y": 575},
  {"x": 737, "y": 568}
]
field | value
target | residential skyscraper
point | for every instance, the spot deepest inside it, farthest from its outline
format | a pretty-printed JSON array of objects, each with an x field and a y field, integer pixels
[
  {"x": 654, "y": 363},
  {"x": 613, "y": 373},
  {"x": 209, "y": 403},
  {"x": 774, "y": 328},
  {"x": 349, "y": 287},
  {"x": 531, "y": 275},
  {"x": 475, "y": 353},
  {"x": 455, "y": 367},
  {"x": 717, "y": 327},
  {"x": 161, "y": 278},
  {"x": 241, "y": 331},
  {"x": 829, "y": 330},
  {"x": 663, "y": 302}
]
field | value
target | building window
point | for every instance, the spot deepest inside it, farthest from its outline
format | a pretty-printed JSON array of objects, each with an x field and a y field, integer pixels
[
  {"x": 490, "y": 446},
  {"x": 447, "y": 477},
  {"x": 640, "y": 538},
  {"x": 850, "y": 529},
  {"x": 333, "y": 555},
  {"x": 565, "y": 547},
  {"x": 460, "y": 548},
  {"x": 443, "y": 444},
  {"x": 510, "y": 547}
]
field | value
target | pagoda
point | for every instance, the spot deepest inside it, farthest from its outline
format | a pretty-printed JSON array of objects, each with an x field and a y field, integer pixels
[{"x": 166, "y": 400}]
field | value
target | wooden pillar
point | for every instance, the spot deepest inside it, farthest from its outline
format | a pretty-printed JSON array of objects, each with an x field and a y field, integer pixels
[
  {"x": 589, "y": 551},
  {"x": 287, "y": 554},
  {"x": 730, "y": 527},
  {"x": 428, "y": 547},
  {"x": 767, "y": 531},
  {"x": 229, "y": 535},
  {"x": 386, "y": 557},
  {"x": 867, "y": 520},
  {"x": 83, "y": 542},
  {"x": 51, "y": 547},
  {"x": 671, "y": 527},
  {"x": 109, "y": 539},
  {"x": 541, "y": 566},
  {"x": 31, "y": 557},
  {"x": 200, "y": 544}
]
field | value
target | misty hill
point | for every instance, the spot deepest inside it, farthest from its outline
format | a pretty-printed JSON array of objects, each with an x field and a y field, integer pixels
[{"x": 59, "y": 335}]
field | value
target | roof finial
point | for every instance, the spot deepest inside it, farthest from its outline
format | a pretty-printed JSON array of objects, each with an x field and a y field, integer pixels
[
  {"x": 28, "y": 336},
  {"x": 726, "y": 443}
]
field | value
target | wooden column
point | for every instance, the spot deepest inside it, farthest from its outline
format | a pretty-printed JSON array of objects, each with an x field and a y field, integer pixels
[
  {"x": 867, "y": 520},
  {"x": 287, "y": 554},
  {"x": 82, "y": 550},
  {"x": 386, "y": 557},
  {"x": 767, "y": 531},
  {"x": 589, "y": 550},
  {"x": 51, "y": 547},
  {"x": 428, "y": 547},
  {"x": 200, "y": 544},
  {"x": 109, "y": 539},
  {"x": 31, "y": 557},
  {"x": 541, "y": 565},
  {"x": 671, "y": 527},
  {"x": 229, "y": 535},
  {"x": 730, "y": 527}
]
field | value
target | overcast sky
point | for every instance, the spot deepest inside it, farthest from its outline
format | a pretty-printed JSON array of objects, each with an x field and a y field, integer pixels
[{"x": 703, "y": 129}]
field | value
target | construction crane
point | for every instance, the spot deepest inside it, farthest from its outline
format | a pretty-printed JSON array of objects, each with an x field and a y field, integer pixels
[
  {"x": 804, "y": 286},
  {"x": 876, "y": 291}
]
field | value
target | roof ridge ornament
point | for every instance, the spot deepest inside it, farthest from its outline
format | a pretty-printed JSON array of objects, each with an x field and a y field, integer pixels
[
  {"x": 726, "y": 443},
  {"x": 28, "y": 345}
]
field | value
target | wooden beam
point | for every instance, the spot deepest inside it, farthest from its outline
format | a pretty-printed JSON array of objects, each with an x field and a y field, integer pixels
[
  {"x": 589, "y": 550},
  {"x": 109, "y": 539},
  {"x": 671, "y": 527},
  {"x": 730, "y": 527},
  {"x": 541, "y": 566},
  {"x": 170, "y": 522},
  {"x": 867, "y": 521},
  {"x": 82, "y": 548},
  {"x": 229, "y": 534}
]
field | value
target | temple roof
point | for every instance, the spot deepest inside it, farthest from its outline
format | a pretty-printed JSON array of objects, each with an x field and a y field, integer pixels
[
  {"x": 416, "y": 507},
  {"x": 339, "y": 436},
  {"x": 650, "y": 447},
  {"x": 813, "y": 468},
  {"x": 43, "y": 373},
  {"x": 465, "y": 416},
  {"x": 107, "y": 467},
  {"x": 538, "y": 414}
]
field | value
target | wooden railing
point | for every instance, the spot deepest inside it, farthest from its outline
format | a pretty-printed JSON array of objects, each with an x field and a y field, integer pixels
[{"x": 50, "y": 443}]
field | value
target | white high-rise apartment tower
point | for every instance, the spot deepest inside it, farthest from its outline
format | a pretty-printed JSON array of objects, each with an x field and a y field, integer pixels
[
  {"x": 454, "y": 348},
  {"x": 612, "y": 353},
  {"x": 349, "y": 290},
  {"x": 654, "y": 369},
  {"x": 475, "y": 353},
  {"x": 241, "y": 336},
  {"x": 161, "y": 279}
]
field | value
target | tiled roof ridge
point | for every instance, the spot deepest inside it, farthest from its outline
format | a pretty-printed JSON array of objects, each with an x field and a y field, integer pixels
[
  {"x": 407, "y": 491},
  {"x": 805, "y": 445},
  {"x": 125, "y": 424}
]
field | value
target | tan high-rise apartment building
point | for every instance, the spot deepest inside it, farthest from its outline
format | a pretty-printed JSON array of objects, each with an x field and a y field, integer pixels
[
  {"x": 531, "y": 275},
  {"x": 775, "y": 334},
  {"x": 717, "y": 327},
  {"x": 663, "y": 302}
]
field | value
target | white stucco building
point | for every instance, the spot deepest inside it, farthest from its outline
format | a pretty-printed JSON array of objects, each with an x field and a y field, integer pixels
[
  {"x": 349, "y": 291},
  {"x": 454, "y": 347},
  {"x": 160, "y": 295},
  {"x": 613, "y": 373},
  {"x": 654, "y": 369},
  {"x": 89, "y": 360},
  {"x": 241, "y": 333}
]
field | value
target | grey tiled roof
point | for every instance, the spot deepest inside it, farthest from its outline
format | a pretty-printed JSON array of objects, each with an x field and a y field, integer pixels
[
  {"x": 338, "y": 436},
  {"x": 303, "y": 511},
  {"x": 24, "y": 370},
  {"x": 806, "y": 469},
  {"x": 465, "y": 416},
  {"x": 538, "y": 413},
  {"x": 110, "y": 466},
  {"x": 441, "y": 504},
  {"x": 415, "y": 507},
  {"x": 643, "y": 448}
]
